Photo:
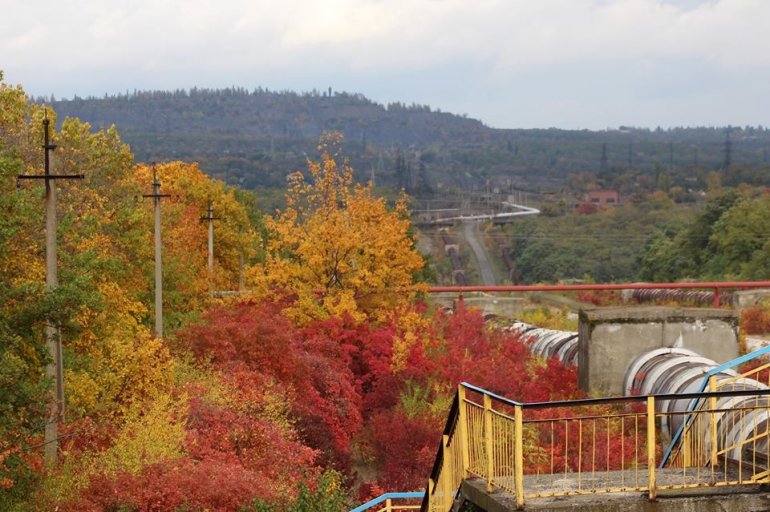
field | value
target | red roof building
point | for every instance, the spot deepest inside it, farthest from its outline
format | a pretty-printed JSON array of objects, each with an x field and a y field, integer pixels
[{"x": 602, "y": 197}]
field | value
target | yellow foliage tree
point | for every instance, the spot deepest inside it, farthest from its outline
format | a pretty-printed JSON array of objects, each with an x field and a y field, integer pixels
[{"x": 336, "y": 248}]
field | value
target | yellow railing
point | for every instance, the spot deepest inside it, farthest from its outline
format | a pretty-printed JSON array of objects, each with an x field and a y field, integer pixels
[
  {"x": 391, "y": 505},
  {"x": 393, "y": 501},
  {"x": 597, "y": 445}
]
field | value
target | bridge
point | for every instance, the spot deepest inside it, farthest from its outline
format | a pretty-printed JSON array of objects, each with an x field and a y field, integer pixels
[
  {"x": 502, "y": 211},
  {"x": 690, "y": 434}
]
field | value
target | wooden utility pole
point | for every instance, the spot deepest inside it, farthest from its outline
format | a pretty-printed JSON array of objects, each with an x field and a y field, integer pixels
[
  {"x": 728, "y": 150},
  {"x": 603, "y": 164},
  {"x": 157, "y": 196},
  {"x": 210, "y": 219},
  {"x": 54, "y": 370}
]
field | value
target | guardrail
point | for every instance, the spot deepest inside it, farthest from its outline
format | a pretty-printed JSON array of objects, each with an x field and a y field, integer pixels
[
  {"x": 393, "y": 501},
  {"x": 717, "y": 287},
  {"x": 590, "y": 446}
]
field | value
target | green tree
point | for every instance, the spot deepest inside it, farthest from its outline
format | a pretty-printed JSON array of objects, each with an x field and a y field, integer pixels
[{"x": 739, "y": 245}]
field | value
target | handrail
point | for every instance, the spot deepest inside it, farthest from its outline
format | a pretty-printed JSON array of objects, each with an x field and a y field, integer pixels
[
  {"x": 599, "y": 286},
  {"x": 388, "y": 496},
  {"x": 483, "y": 391},
  {"x": 618, "y": 399},
  {"x": 715, "y": 285},
  {"x": 454, "y": 411}
]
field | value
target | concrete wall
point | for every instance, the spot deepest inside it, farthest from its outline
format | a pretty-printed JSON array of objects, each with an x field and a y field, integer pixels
[
  {"x": 747, "y": 298},
  {"x": 610, "y": 338}
]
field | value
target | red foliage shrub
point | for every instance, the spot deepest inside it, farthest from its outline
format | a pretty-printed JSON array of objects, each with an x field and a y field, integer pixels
[
  {"x": 587, "y": 209},
  {"x": 337, "y": 373},
  {"x": 260, "y": 445},
  {"x": 255, "y": 334},
  {"x": 500, "y": 362},
  {"x": 762, "y": 376},
  {"x": 755, "y": 320},
  {"x": 328, "y": 403},
  {"x": 211, "y": 484},
  {"x": 600, "y": 297},
  {"x": 406, "y": 447},
  {"x": 255, "y": 342}
]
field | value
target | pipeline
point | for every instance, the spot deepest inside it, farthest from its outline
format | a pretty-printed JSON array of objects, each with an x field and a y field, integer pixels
[
  {"x": 549, "y": 343},
  {"x": 680, "y": 371},
  {"x": 695, "y": 297}
]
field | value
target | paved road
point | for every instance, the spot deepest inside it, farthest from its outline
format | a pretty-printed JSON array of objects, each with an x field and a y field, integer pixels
[{"x": 470, "y": 232}]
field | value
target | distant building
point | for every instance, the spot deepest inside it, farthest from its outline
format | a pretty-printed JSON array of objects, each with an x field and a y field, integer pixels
[{"x": 602, "y": 197}]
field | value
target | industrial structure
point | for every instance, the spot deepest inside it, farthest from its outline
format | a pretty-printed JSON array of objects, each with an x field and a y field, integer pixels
[{"x": 687, "y": 431}]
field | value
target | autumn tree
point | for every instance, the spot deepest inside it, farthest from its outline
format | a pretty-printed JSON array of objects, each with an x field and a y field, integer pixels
[
  {"x": 187, "y": 283},
  {"x": 336, "y": 248},
  {"x": 144, "y": 425},
  {"x": 22, "y": 302}
]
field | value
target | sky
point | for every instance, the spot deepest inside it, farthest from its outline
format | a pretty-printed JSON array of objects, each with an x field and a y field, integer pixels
[{"x": 573, "y": 64}]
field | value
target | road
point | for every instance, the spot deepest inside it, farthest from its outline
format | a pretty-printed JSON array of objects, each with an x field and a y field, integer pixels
[{"x": 470, "y": 232}]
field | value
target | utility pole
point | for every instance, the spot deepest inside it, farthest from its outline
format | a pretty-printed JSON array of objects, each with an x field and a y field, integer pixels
[
  {"x": 54, "y": 370},
  {"x": 728, "y": 150},
  {"x": 603, "y": 165},
  {"x": 670, "y": 156},
  {"x": 157, "y": 196},
  {"x": 240, "y": 271},
  {"x": 210, "y": 219}
]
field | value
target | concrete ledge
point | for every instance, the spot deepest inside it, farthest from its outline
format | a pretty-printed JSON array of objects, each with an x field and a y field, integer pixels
[
  {"x": 632, "y": 314},
  {"x": 748, "y": 298},
  {"x": 717, "y": 499}
]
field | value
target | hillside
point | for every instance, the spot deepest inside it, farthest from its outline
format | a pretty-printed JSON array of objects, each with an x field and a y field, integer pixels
[{"x": 254, "y": 138}]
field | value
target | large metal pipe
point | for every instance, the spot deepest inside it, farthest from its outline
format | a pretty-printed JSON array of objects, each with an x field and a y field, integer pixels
[{"x": 549, "y": 343}]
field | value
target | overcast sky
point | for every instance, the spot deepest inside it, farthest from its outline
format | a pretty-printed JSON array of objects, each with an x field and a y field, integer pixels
[{"x": 511, "y": 63}]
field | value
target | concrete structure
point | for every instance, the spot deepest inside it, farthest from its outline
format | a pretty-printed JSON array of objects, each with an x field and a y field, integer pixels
[
  {"x": 748, "y": 298},
  {"x": 505, "y": 307},
  {"x": 611, "y": 337},
  {"x": 473, "y": 497}
]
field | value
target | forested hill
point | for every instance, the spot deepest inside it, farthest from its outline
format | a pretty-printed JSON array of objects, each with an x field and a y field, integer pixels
[
  {"x": 254, "y": 138},
  {"x": 264, "y": 114}
]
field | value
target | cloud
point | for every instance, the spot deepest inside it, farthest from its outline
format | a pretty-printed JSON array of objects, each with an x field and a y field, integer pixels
[{"x": 562, "y": 55}]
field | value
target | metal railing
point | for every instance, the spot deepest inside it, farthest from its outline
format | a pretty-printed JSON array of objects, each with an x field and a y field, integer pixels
[
  {"x": 602, "y": 445},
  {"x": 717, "y": 287},
  {"x": 392, "y": 502},
  {"x": 716, "y": 379},
  {"x": 736, "y": 431}
]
